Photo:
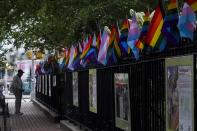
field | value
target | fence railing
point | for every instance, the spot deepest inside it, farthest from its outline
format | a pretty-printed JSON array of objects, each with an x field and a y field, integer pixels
[{"x": 147, "y": 101}]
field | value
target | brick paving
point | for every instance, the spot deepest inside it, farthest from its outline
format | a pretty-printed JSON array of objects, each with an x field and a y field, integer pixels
[{"x": 33, "y": 118}]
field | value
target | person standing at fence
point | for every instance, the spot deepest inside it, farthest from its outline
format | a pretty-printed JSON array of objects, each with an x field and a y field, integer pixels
[{"x": 16, "y": 86}]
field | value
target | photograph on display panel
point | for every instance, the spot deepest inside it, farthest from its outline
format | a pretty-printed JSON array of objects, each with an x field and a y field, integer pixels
[
  {"x": 179, "y": 93},
  {"x": 40, "y": 84},
  {"x": 46, "y": 85},
  {"x": 43, "y": 82},
  {"x": 49, "y": 85},
  {"x": 122, "y": 106},
  {"x": 172, "y": 98},
  {"x": 179, "y": 98},
  {"x": 37, "y": 83},
  {"x": 54, "y": 80},
  {"x": 75, "y": 88},
  {"x": 92, "y": 91}
]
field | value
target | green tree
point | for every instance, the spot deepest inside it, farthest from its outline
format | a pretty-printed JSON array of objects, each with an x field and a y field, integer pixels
[{"x": 58, "y": 23}]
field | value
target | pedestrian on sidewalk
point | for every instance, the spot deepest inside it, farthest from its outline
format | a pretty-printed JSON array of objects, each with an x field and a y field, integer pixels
[{"x": 17, "y": 89}]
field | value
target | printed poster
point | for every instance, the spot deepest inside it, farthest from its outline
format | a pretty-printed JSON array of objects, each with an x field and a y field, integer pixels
[
  {"x": 92, "y": 91},
  {"x": 37, "y": 84},
  {"x": 40, "y": 84},
  {"x": 43, "y": 87},
  {"x": 49, "y": 85},
  {"x": 54, "y": 80},
  {"x": 184, "y": 84},
  {"x": 46, "y": 84},
  {"x": 179, "y": 94},
  {"x": 75, "y": 89},
  {"x": 122, "y": 107}
]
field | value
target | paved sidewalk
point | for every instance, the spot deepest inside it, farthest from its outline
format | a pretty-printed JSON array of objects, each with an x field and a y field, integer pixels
[{"x": 33, "y": 118}]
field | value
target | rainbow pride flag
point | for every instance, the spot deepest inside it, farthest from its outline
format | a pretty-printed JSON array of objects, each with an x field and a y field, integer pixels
[
  {"x": 154, "y": 32},
  {"x": 76, "y": 60},
  {"x": 67, "y": 55},
  {"x": 142, "y": 38},
  {"x": 117, "y": 50},
  {"x": 113, "y": 52},
  {"x": 125, "y": 50},
  {"x": 86, "y": 47},
  {"x": 91, "y": 56},
  {"x": 98, "y": 41}
]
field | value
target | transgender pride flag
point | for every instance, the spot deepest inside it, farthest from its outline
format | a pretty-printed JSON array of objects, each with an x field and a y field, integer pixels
[
  {"x": 102, "y": 54},
  {"x": 71, "y": 59},
  {"x": 134, "y": 33},
  {"x": 187, "y": 21}
]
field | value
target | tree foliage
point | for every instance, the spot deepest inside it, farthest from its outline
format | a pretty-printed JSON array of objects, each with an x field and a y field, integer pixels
[{"x": 58, "y": 23}]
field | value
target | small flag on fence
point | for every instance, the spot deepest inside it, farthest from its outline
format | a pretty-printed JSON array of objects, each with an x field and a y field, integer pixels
[
  {"x": 193, "y": 4},
  {"x": 155, "y": 27},
  {"x": 170, "y": 30},
  {"x": 102, "y": 54},
  {"x": 133, "y": 36},
  {"x": 142, "y": 39},
  {"x": 154, "y": 36},
  {"x": 125, "y": 50},
  {"x": 186, "y": 22}
]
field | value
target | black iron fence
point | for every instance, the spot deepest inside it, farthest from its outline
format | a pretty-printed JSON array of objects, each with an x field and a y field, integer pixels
[{"x": 146, "y": 88}]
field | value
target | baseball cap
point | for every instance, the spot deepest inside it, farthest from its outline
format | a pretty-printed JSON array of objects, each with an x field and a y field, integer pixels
[{"x": 20, "y": 71}]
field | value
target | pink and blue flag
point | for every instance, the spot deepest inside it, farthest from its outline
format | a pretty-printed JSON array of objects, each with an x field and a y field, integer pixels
[
  {"x": 186, "y": 22},
  {"x": 70, "y": 63},
  {"x": 133, "y": 35},
  {"x": 102, "y": 54}
]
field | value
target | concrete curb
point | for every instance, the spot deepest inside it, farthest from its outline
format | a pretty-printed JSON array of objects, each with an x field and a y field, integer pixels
[{"x": 49, "y": 113}]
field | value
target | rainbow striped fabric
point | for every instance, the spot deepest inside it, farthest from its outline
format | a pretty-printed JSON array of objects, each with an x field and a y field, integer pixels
[
  {"x": 142, "y": 39},
  {"x": 86, "y": 47},
  {"x": 156, "y": 25},
  {"x": 125, "y": 50}
]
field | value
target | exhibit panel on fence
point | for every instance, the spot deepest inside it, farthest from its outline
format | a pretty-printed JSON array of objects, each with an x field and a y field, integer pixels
[
  {"x": 92, "y": 90},
  {"x": 179, "y": 93},
  {"x": 75, "y": 88},
  {"x": 49, "y": 85},
  {"x": 122, "y": 101},
  {"x": 46, "y": 85},
  {"x": 127, "y": 96},
  {"x": 43, "y": 84}
]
